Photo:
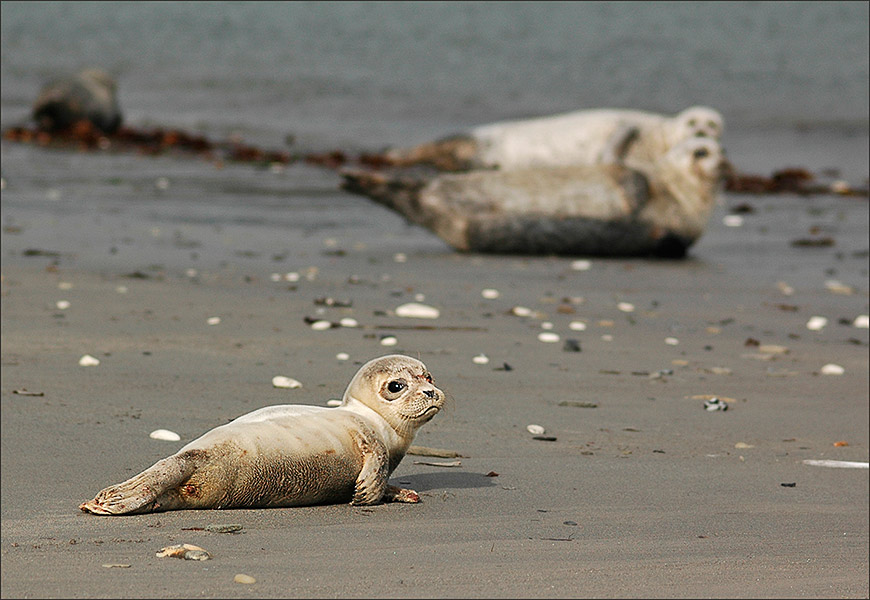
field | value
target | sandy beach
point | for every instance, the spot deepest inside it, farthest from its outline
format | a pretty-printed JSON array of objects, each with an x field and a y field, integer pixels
[{"x": 643, "y": 493}]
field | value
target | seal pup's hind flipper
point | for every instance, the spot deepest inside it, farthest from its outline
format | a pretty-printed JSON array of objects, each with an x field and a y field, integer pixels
[
  {"x": 153, "y": 489},
  {"x": 401, "y": 194},
  {"x": 618, "y": 144}
]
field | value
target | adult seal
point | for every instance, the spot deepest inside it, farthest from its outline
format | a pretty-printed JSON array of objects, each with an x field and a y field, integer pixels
[
  {"x": 606, "y": 209},
  {"x": 294, "y": 455},
  {"x": 574, "y": 138},
  {"x": 89, "y": 96}
]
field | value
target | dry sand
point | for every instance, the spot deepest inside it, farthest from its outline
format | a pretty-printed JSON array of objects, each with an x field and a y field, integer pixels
[{"x": 645, "y": 494}]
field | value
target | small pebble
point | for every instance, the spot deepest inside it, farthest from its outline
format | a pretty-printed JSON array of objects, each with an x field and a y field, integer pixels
[
  {"x": 862, "y": 322},
  {"x": 292, "y": 277},
  {"x": 714, "y": 404},
  {"x": 400, "y": 257},
  {"x": 490, "y": 294},
  {"x": 88, "y": 361},
  {"x": 275, "y": 276},
  {"x": 321, "y": 325},
  {"x": 838, "y": 287},
  {"x": 785, "y": 288},
  {"x": 625, "y": 306},
  {"x": 116, "y": 566},
  {"x": 213, "y": 320},
  {"x": 743, "y": 445},
  {"x": 63, "y": 304},
  {"x": 571, "y": 345},
  {"x": 64, "y": 285},
  {"x": 191, "y": 273},
  {"x": 773, "y": 349},
  {"x": 121, "y": 289},
  {"x": 548, "y": 336},
  {"x": 480, "y": 359},
  {"x": 577, "y": 326},
  {"x": 333, "y": 402},
  {"x": 832, "y": 369},
  {"x": 547, "y": 325},
  {"x": 733, "y": 221},
  {"x": 348, "y": 322},
  {"x": 420, "y": 297},
  {"x": 672, "y": 341},
  {"x": 389, "y": 340},
  {"x": 161, "y": 183},
  {"x": 607, "y": 337},
  {"x": 242, "y": 578},
  {"x": 581, "y": 265},
  {"x": 279, "y": 381},
  {"x": 342, "y": 356},
  {"x": 521, "y": 311},
  {"x": 535, "y": 429},
  {"x": 417, "y": 310},
  {"x": 164, "y": 434},
  {"x": 185, "y": 551},
  {"x": 816, "y": 323}
]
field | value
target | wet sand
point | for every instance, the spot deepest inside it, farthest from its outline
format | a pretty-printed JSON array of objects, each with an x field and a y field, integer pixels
[{"x": 642, "y": 494}]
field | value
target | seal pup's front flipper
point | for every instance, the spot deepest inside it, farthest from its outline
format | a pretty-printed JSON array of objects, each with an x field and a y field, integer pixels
[
  {"x": 618, "y": 144},
  {"x": 372, "y": 479},
  {"x": 153, "y": 489}
]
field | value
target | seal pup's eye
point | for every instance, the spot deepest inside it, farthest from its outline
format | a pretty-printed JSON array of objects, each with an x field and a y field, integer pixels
[
  {"x": 394, "y": 387},
  {"x": 701, "y": 153}
]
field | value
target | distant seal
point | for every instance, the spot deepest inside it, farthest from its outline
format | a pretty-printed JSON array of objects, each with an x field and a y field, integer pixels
[
  {"x": 575, "y": 138},
  {"x": 90, "y": 95},
  {"x": 605, "y": 209},
  {"x": 293, "y": 455}
]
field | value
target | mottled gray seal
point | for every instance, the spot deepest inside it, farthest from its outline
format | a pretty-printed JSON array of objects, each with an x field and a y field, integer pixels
[
  {"x": 575, "y": 138},
  {"x": 89, "y": 96},
  {"x": 293, "y": 455},
  {"x": 606, "y": 209}
]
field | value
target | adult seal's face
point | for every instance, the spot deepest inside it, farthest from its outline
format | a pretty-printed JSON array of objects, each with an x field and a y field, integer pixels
[{"x": 400, "y": 389}]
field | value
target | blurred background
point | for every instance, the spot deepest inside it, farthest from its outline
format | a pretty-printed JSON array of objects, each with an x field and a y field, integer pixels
[{"x": 370, "y": 74}]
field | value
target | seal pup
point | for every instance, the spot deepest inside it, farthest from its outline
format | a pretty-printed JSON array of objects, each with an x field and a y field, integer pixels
[
  {"x": 604, "y": 209},
  {"x": 89, "y": 96},
  {"x": 294, "y": 455},
  {"x": 575, "y": 138}
]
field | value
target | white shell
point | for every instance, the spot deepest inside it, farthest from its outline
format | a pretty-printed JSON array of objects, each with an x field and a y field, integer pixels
[
  {"x": 321, "y": 325},
  {"x": 625, "y": 306},
  {"x": 64, "y": 285},
  {"x": 390, "y": 340},
  {"x": 400, "y": 257},
  {"x": 832, "y": 369},
  {"x": 672, "y": 341},
  {"x": 121, "y": 289},
  {"x": 213, "y": 320},
  {"x": 521, "y": 311},
  {"x": 88, "y": 361},
  {"x": 535, "y": 429},
  {"x": 817, "y": 323},
  {"x": 547, "y": 325},
  {"x": 63, "y": 304},
  {"x": 490, "y": 294},
  {"x": 548, "y": 336},
  {"x": 279, "y": 381},
  {"x": 577, "y": 326},
  {"x": 242, "y": 578},
  {"x": 785, "y": 288},
  {"x": 348, "y": 322},
  {"x": 417, "y": 310},
  {"x": 342, "y": 356},
  {"x": 480, "y": 359},
  {"x": 164, "y": 434},
  {"x": 862, "y": 322},
  {"x": 581, "y": 265},
  {"x": 732, "y": 221},
  {"x": 333, "y": 402}
]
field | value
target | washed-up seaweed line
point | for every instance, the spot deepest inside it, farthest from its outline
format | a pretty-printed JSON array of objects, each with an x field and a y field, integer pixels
[{"x": 84, "y": 137}]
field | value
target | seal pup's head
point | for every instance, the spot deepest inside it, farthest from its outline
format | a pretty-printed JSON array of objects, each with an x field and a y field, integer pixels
[
  {"x": 696, "y": 121},
  {"x": 399, "y": 388}
]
